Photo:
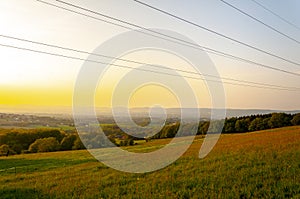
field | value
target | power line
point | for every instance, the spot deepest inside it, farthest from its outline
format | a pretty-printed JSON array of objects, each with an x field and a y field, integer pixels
[
  {"x": 177, "y": 40},
  {"x": 185, "y": 43},
  {"x": 129, "y": 67},
  {"x": 276, "y": 15},
  {"x": 261, "y": 22},
  {"x": 216, "y": 33},
  {"x": 141, "y": 63},
  {"x": 192, "y": 45}
]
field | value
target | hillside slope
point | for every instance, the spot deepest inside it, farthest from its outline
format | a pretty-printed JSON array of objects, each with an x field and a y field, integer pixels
[{"x": 263, "y": 164}]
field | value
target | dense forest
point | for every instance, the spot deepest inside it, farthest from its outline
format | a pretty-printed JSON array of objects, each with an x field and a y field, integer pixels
[{"x": 16, "y": 141}]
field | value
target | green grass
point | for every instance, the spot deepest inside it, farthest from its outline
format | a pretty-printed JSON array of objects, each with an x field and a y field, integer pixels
[
  {"x": 262, "y": 164},
  {"x": 42, "y": 162}
]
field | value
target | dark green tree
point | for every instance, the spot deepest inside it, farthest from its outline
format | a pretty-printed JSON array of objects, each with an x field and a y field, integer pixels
[
  {"x": 279, "y": 120},
  {"x": 203, "y": 128},
  {"x": 256, "y": 124},
  {"x": 242, "y": 125},
  {"x": 296, "y": 119},
  {"x": 68, "y": 142},
  {"x": 266, "y": 122},
  {"x": 229, "y": 125}
]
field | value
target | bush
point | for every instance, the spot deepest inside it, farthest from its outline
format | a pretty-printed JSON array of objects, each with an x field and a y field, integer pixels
[
  {"x": 44, "y": 145},
  {"x": 131, "y": 142},
  {"x": 6, "y": 150}
]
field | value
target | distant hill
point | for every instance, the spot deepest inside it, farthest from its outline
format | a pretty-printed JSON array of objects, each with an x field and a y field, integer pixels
[
  {"x": 66, "y": 112},
  {"x": 205, "y": 112}
]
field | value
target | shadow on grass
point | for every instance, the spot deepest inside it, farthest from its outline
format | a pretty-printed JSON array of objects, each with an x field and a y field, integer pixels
[
  {"x": 21, "y": 193},
  {"x": 9, "y": 166}
]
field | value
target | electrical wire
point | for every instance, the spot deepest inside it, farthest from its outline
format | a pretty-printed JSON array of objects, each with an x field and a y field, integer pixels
[
  {"x": 178, "y": 41},
  {"x": 138, "y": 62},
  {"x": 276, "y": 15},
  {"x": 140, "y": 69},
  {"x": 259, "y": 21},
  {"x": 215, "y": 32}
]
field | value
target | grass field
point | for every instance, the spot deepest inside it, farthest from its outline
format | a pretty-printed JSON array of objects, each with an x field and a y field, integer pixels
[{"x": 262, "y": 164}]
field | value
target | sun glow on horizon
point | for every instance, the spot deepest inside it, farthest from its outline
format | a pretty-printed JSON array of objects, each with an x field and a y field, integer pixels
[{"x": 36, "y": 79}]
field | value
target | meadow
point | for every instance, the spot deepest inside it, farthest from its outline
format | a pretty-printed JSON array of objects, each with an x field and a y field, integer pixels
[{"x": 262, "y": 164}]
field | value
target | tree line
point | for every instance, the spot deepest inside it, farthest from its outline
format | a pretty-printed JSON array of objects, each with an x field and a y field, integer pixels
[
  {"x": 238, "y": 124},
  {"x": 260, "y": 122},
  {"x": 17, "y": 141}
]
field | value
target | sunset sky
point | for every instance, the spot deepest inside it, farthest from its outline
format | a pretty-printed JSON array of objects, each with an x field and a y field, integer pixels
[{"x": 32, "y": 79}]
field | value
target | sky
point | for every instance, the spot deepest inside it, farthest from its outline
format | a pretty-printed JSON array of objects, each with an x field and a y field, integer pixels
[{"x": 38, "y": 80}]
